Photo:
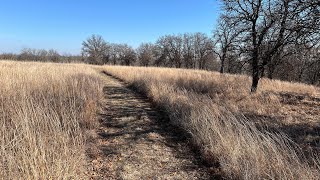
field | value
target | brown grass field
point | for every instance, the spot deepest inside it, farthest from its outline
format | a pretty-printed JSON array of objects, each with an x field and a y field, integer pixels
[
  {"x": 247, "y": 134},
  {"x": 47, "y": 111}
]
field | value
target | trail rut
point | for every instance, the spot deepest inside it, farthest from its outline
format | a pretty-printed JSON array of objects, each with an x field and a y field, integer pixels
[{"x": 136, "y": 141}]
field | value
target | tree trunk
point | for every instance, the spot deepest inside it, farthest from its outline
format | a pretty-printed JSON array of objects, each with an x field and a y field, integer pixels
[
  {"x": 222, "y": 63},
  {"x": 270, "y": 69},
  {"x": 255, "y": 60},
  {"x": 255, "y": 73},
  {"x": 262, "y": 71},
  {"x": 270, "y": 75}
]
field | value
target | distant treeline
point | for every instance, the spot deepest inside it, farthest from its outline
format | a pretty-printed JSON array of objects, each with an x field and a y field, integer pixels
[
  {"x": 293, "y": 62},
  {"x": 263, "y": 38},
  {"x": 42, "y": 55},
  {"x": 189, "y": 50}
]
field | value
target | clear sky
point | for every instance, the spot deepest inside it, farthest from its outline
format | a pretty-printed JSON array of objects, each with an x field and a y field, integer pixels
[{"x": 64, "y": 24}]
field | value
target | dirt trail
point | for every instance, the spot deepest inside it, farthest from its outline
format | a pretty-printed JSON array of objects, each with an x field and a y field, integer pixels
[{"x": 136, "y": 142}]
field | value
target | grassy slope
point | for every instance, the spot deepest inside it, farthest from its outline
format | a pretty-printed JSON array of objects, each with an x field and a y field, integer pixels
[{"x": 226, "y": 121}]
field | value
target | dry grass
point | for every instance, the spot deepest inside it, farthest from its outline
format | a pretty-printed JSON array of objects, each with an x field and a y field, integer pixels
[
  {"x": 226, "y": 121},
  {"x": 45, "y": 110}
]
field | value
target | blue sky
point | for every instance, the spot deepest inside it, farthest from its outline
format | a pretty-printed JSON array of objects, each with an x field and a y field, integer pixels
[{"x": 64, "y": 24}]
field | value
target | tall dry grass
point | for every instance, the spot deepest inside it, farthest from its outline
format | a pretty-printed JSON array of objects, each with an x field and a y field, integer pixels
[
  {"x": 45, "y": 110},
  {"x": 210, "y": 107}
]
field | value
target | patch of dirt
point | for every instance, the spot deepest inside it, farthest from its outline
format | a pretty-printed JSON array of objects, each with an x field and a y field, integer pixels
[{"x": 135, "y": 141}]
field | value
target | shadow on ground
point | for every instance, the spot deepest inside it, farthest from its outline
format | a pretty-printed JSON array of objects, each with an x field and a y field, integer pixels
[{"x": 300, "y": 122}]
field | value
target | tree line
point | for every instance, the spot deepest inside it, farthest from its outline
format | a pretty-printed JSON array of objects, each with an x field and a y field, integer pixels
[
  {"x": 41, "y": 55},
  {"x": 189, "y": 50},
  {"x": 262, "y": 38},
  {"x": 276, "y": 39}
]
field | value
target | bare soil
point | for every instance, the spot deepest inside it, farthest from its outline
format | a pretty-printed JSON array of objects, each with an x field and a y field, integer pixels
[{"x": 136, "y": 141}]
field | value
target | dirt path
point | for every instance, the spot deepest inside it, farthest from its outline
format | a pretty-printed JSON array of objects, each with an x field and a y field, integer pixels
[{"x": 136, "y": 142}]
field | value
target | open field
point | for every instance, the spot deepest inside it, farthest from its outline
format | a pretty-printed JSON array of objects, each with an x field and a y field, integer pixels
[
  {"x": 166, "y": 90},
  {"x": 46, "y": 110},
  {"x": 243, "y": 132},
  {"x": 49, "y": 112}
]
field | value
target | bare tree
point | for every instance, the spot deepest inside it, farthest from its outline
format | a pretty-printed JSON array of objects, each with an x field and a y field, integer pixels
[
  {"x": 269, "y": 25},
  {"x": 248, "y": 15},
  {"x": 226, "y": 38},
  {"x": 189, "y": 50},
  {"x": 95, "y": 50},
  {"x": 126, "y": 54},
  {"x": 172, "y": 47},
  {"x": 113, "y": 53},
  {"x": 53, "y": 55},
  {"x": 159, "y": 54},
  {"x": 8, "y": 56},
  {"x": 145, "y": 54},
  {"x": 203, "y": 46}
]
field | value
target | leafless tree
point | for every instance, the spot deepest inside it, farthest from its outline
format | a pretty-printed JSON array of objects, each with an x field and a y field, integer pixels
[
  {"x": 8, "y": 56},
  {"x": 226, "y": 38},
  {"x": 126, "y": 54},
  {"x": 159, "y": 54},
  {"x": 113, "y": 53},
  {"x": 189, "y": 50},
  {"x": 203, "y": 46},
  {"x": 53, "y": 55},
  {"x": 269, "y": 25},
  {"x": 145, "y": 54},
  {"x": 95, "y": 50},
  {"x": 172, "y": 47}
]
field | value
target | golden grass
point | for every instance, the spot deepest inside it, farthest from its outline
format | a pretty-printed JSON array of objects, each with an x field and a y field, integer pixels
[
  {"x": 214, "y": 109},
  {"x": 45, "y": 109}
]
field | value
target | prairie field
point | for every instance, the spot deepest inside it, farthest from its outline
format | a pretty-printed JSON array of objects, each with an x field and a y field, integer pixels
[
  {"x": 135, "y": 90},
  {"x": 45, "y": 111},
  {"x": 49, "y": 111},
  {"x": 272, "y": 134}
]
